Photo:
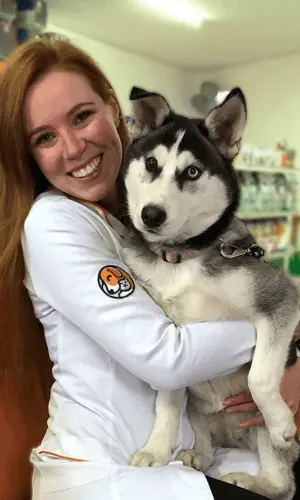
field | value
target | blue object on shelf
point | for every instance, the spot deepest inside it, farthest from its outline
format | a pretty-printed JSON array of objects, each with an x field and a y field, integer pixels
[
  {"x": 22, "y": 35},
  {"x": 24, "y": 19},
  {"x": 26, "y": 5}
]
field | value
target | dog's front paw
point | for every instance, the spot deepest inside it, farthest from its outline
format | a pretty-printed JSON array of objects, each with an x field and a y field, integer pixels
[
  {"x": 148, "y": 458},
  {"x": 191, "y": 458},
  {"x": 283, "y": 433}
]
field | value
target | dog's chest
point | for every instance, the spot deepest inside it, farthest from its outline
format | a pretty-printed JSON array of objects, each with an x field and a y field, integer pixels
[{"x": 188, "y": 293}]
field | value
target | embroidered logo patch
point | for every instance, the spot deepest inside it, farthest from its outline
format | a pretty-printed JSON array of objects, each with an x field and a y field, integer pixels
[{"x": 115, "y": 282}]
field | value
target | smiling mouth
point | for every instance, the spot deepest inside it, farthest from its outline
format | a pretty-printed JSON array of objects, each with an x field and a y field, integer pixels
[{"x": 89, "y": 170}]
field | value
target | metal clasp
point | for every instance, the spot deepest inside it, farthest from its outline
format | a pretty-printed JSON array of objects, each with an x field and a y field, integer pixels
[{"x": 232, "y": 251}]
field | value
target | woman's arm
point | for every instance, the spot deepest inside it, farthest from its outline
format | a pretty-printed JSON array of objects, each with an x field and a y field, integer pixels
[{"x": 64, "y": 250}]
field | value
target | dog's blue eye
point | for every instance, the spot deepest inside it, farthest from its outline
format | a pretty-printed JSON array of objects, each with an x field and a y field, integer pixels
[
  {"x": 193, "y": 172},
  {"x": 151, "y": 164}
]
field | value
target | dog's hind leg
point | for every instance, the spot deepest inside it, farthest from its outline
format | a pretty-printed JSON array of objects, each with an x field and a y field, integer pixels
[
  {"x": 276, "y": 479},
  {"x": 163, "y": 438},
  {"x": 270, "y": 356}
]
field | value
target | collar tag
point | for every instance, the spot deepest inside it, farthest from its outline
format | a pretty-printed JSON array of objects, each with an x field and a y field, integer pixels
[
  {"x": 177, "y": 258},
  {"x": 171, "y": 257}
]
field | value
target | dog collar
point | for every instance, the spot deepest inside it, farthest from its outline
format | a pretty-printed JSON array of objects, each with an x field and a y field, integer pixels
[
  {"x": 177, "y": 258},
  {"x": 227, "y": 250}
]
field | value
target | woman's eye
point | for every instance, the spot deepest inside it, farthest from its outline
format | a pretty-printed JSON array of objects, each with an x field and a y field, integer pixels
[
  {"x": 193, "y": 172},
  {"x": 83, "y": 116},
  {"x": 44, "y": 138}
]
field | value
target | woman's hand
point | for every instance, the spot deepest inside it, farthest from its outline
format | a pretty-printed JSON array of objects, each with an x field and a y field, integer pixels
[{"x": 289, "y": 389}]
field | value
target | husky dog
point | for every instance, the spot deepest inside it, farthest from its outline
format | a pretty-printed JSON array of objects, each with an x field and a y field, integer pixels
[{"x": 182, "y": 196}]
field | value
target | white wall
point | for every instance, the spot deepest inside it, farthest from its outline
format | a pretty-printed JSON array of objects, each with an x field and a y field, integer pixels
[
  {"x": 125, "y": 69},
  {"x": 272, "y": 89}
]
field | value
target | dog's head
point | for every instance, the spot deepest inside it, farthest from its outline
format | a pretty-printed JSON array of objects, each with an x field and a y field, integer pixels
[{"x": 178, "y": 171}]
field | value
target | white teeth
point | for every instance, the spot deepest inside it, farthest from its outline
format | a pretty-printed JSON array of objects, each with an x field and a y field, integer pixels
[{"x": 89, "y": 169}]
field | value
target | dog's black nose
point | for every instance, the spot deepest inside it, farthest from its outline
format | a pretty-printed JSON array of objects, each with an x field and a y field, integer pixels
[{"x": 153, "y": 216}]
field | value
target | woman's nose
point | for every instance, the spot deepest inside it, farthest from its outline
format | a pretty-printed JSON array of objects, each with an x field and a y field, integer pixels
[{"x": 73, "y": 145}]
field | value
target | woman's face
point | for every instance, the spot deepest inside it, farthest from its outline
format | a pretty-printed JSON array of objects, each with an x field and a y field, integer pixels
[{"x": 73, "y": 136}]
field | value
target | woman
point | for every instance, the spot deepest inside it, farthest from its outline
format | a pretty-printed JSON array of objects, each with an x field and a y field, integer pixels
[{"x": 62, "y": 141}]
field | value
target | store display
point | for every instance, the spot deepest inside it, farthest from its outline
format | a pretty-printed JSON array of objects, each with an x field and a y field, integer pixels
[
  {"x": 294, "y": 264},
  {"x": 288, "y": 154},
  {"x": 266, "y": 192},
  {"x": 271, "y": 234},
  {"x": 253, "y": 156},
  {"x": 268, "y": 181}
]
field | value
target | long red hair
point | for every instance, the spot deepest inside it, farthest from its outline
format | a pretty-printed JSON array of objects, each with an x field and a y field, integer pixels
[{"x": 25, "y": 369}]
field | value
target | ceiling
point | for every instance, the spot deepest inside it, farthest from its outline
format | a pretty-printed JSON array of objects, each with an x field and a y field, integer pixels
[{"x": 238, "y": 31}]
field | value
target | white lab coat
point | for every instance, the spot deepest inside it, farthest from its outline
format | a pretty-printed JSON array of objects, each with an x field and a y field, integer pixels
[{"x": 109, "y": 351}]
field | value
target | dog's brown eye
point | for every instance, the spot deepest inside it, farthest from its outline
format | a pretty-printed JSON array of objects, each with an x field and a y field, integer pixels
[
  {"x": 151, "y": 164},
  {"x": 193, "y": 172}
]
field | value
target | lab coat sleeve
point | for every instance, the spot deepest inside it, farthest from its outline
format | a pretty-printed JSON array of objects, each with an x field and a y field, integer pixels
[{"x": 65, "y": 250}]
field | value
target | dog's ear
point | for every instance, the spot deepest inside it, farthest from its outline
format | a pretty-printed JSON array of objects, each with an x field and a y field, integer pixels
[
  {"x": 149, "y": 110},
  {"x": 226, "y": 123}
]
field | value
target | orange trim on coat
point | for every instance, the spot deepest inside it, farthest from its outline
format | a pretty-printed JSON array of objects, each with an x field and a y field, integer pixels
[
  {"x": 45, "y": 452},
  {"x": 100, "y": 209}
]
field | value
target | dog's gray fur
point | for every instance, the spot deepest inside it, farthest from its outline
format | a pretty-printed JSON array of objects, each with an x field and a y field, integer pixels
[{"x": 210, "y": 287}]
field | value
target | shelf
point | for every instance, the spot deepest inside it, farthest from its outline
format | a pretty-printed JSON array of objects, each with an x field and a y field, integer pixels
[
  {"x": 268, "y": 170},
  {"x": 264, "y": 215}
]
